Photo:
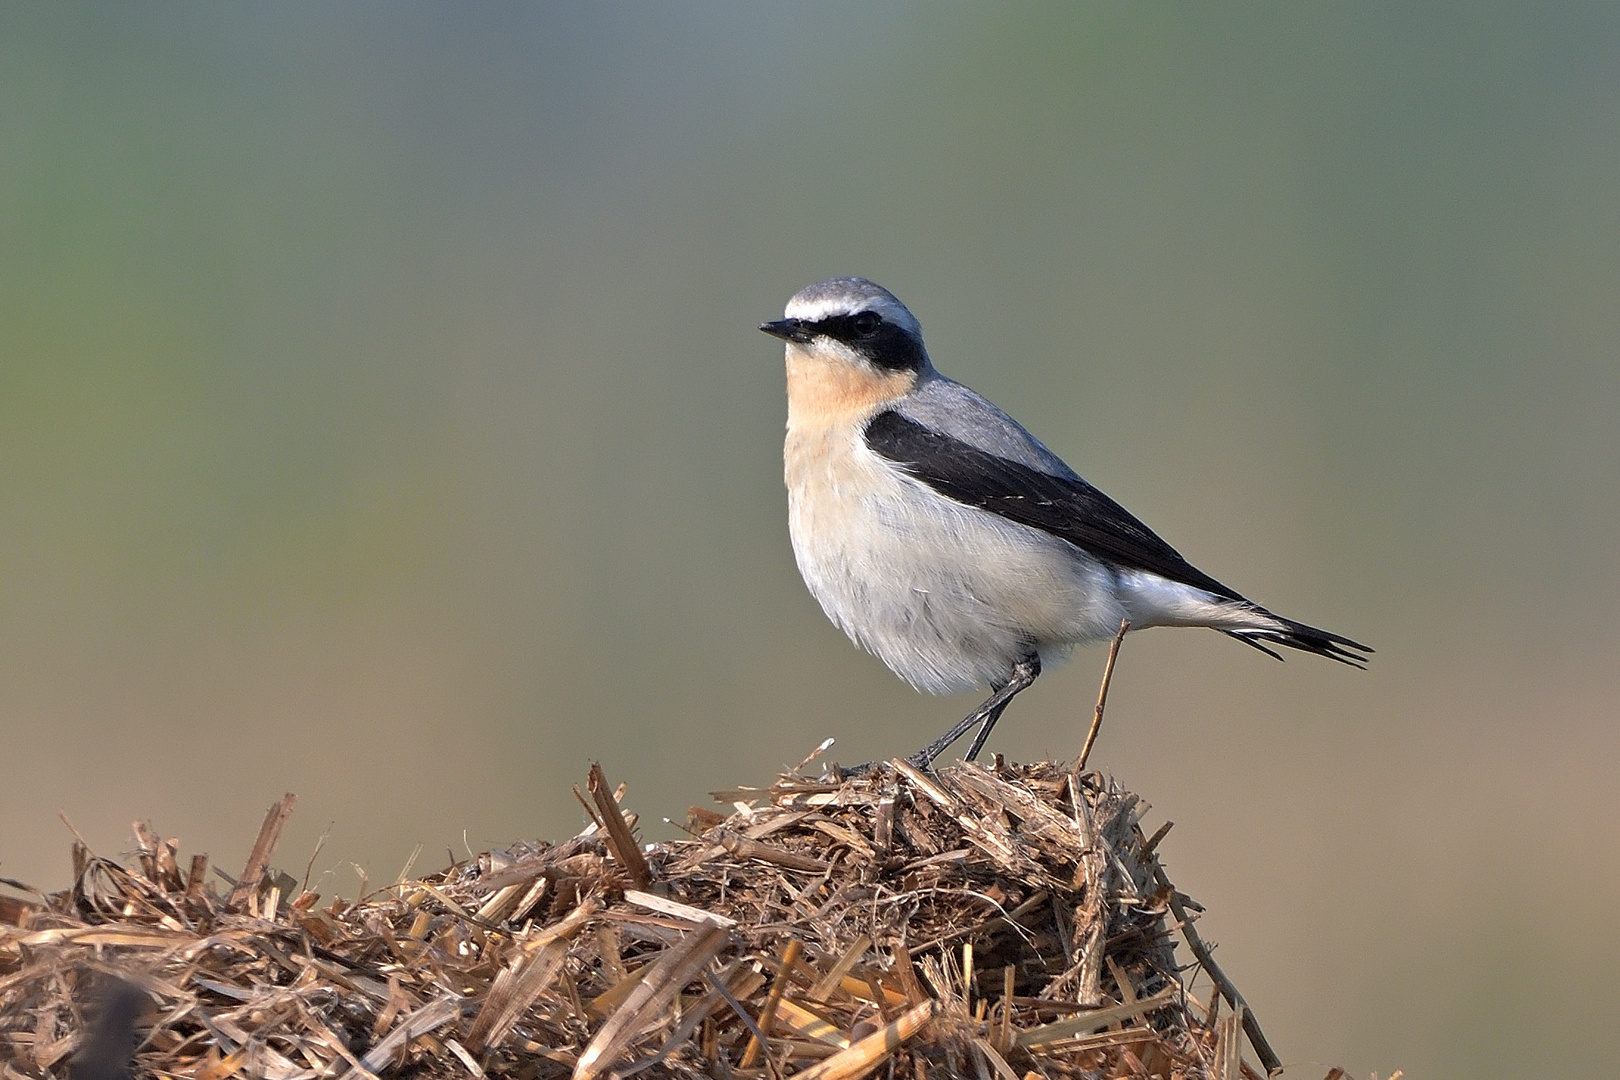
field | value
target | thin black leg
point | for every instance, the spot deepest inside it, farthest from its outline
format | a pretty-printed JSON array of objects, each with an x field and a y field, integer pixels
[{"x": 985, "y": 716}]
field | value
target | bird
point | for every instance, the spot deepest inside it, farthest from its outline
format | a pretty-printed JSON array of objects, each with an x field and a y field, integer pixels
[{"x": 948, "y": 541}]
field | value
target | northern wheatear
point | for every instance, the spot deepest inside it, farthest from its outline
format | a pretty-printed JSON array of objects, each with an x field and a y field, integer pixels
[{"x": 945, "y": 539}]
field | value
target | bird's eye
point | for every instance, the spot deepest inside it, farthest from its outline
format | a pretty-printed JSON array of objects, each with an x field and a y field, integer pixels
[{"x": 867, "y": 322}]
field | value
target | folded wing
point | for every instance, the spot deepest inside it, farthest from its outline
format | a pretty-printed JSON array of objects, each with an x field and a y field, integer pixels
[{"x": 1069, "y": 508}]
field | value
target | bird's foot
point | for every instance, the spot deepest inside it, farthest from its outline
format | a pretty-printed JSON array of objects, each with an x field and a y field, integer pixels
[
  {"x": 872, "y": 768},
  {"x": 920, "y": 761}
]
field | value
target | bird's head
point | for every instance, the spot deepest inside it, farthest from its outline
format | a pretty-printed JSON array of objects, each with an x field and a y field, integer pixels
[
  {"x": 855, "y": 321},
  {"x": 850, "y": 343}
]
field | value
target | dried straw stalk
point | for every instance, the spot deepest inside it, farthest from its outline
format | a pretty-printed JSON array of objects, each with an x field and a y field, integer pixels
[{"x": 974, "y": 922}]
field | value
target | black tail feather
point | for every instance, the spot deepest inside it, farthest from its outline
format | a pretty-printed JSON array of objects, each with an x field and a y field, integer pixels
[{"x": 1295, "y": 635}]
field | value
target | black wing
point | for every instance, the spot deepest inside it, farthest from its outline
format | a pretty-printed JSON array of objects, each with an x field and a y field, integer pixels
[
  {"x": 1072, "y": 509},
  {"x": 1066, "y": 507}
]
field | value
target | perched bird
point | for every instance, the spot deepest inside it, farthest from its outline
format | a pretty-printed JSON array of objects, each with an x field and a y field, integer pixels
[{"x": 946, "y": 540}]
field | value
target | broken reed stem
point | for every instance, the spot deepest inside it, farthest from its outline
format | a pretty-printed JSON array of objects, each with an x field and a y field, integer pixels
[
  {"x": 620, "y": 839},
  {"x": 767, "y": 1016},
  {"x": 675, "y": 967},
  {"x": 1102, "y": 695},
  {"x": 263, "y": 848},
  {"x": 863, "y": 1055}
]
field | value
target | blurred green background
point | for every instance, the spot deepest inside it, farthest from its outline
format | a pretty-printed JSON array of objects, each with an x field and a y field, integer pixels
[{"x": 382, "y": 419}]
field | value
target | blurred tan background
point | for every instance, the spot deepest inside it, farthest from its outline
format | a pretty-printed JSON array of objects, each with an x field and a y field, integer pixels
[{"x": 382, "y": 419}]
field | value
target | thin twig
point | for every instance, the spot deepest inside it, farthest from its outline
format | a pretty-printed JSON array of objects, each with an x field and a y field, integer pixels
[
  {"x": 1251, "y": 1026},
  {"x": 309, "y": 867},
  {"x": 1102, "y": 694}
]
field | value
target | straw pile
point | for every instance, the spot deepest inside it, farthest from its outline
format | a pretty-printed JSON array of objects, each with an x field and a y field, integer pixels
[{"x": 998, "y": 922}]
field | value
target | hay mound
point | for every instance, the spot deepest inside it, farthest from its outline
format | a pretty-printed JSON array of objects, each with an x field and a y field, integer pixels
[{"x": 975, "y": 922}]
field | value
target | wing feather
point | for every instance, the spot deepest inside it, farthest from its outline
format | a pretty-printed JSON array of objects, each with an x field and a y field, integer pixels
[
  {"x": 1069, "y": 508},
  {"x": 1066, "y": 507}
]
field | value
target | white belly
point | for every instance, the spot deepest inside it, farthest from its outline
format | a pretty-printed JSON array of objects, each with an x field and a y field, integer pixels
[{"x": 948, "y": 596}]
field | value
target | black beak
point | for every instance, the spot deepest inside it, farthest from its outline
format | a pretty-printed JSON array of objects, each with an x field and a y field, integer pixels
[{"x": 789, "y": 330}]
